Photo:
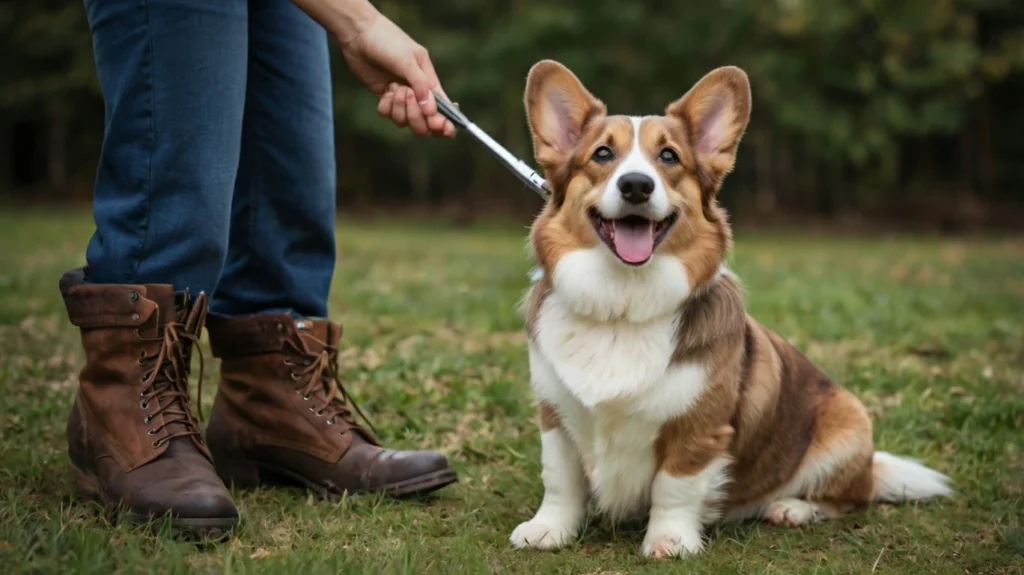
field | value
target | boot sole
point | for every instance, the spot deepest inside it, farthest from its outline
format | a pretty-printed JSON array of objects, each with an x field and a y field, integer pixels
[
  {"x": 248, "y": 475},
  {"x": 213, "y": 529}
]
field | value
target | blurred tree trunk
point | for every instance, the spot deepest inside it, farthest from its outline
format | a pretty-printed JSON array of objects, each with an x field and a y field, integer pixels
[
  {"x": 764, "y": 185},
  {"x": 57, "y": 147},
  {"x": 807, "y": 177},
  {"x": 355, "y": 178},
  {"x": 787, "y": 180},
  {"x": 827, "y": 190},
  {"x": 419, "y": 176},
  {"x": 925, "y": 163},
  {"x": 6, "y": 149},
  {"x": 967, "y": 143},
  {"x": 986, "y": 158},
  {"x": 891, "y": 176},
  {"x": 482, "y": 182},
  {"x": 814, "y": 181}
]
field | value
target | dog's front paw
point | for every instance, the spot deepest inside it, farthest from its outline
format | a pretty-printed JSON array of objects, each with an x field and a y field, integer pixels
[
  {"x": 669, "y": 542},
  {"x": 541, "y": 535}
]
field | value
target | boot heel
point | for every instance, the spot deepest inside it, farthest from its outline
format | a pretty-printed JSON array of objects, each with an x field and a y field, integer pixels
[
  {"x": 240, "y": 473},
  {"x": 86, "y": 484}
]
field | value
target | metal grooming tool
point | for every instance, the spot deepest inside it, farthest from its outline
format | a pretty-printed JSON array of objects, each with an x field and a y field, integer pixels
[{"x": 532, "y": 179}]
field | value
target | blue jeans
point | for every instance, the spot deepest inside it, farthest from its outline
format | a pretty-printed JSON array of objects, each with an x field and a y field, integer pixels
[{"x": 217, "y": 171}]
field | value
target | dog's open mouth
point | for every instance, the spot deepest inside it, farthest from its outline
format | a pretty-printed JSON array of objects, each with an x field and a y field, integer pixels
[{"x": 632, "y": 238}]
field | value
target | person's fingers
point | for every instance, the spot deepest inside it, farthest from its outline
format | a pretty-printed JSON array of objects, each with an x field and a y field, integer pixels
[
  {"x": 423, "y": 58},
  {"x": 414, "y": 105},
  {"x": 398, "y": 106},
  {"x": 385, "y": 103},
  {"x": 449, "y": 127},
  {"x": 447, "y": 130},
  {"x": 436, "y": 123},
  {"x": 423, "y": 80},
  {"x": 417, "y": 80},
  {"x": 441, "y": 125},
  {"x": 415, "y": 117}
]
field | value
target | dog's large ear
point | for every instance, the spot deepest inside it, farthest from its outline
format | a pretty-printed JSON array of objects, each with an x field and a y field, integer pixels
[
  {"x": 715, "y": 112},
  {"x": 558, "y": 108}
]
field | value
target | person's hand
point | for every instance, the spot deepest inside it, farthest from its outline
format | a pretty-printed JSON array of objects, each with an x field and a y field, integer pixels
[{"x": 399, "y": 72}]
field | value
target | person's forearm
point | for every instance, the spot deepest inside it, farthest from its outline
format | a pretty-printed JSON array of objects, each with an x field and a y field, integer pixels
[{"x": 345, "y": 19}]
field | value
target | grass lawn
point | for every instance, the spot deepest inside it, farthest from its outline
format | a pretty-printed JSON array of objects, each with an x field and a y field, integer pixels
[{"x": 928, "y": 332}]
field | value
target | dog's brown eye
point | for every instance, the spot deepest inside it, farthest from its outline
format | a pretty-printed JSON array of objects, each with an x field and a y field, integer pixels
[
  {"x": 603, "y": 154},
  {"x": 668, "y": 155}
]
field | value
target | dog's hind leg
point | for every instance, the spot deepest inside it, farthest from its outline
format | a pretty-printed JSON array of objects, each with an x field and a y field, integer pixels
[{"x": 835, "y": 475}]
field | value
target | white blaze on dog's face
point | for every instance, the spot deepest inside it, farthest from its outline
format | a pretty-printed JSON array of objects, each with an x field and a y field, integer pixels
[
  {"x": 639, "y": 185},
  {"x": 634, "y": 213}
]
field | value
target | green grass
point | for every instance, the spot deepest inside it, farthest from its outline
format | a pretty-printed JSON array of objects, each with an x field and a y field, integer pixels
[{"x": 928, "y": 332}]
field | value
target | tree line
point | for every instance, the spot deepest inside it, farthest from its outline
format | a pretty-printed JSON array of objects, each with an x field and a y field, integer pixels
[{"x": 908, "y": 110}]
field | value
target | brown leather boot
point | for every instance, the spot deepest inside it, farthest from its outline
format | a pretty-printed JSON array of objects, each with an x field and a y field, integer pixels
[
  {"x": 281, "y": 415},
  {"x": 133, "y": 440}
]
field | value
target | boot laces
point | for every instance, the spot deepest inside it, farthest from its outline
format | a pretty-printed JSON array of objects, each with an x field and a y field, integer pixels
[
  {"x": 167, "y": 373},
  {"x": 318, "y": 378}
]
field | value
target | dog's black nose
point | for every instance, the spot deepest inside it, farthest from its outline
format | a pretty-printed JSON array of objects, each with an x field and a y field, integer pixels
[{"x": 636, "y": 188}]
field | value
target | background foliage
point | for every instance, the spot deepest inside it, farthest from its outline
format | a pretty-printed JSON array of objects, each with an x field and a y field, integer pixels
[{"x": 907, "y": 110}]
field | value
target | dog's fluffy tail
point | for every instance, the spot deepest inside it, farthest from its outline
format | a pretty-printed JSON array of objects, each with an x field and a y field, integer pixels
[{"x": 902, "y": 479}]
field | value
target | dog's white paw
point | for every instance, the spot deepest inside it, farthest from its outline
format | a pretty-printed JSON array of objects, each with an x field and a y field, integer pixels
[
  {"x": 672, "y": 542},
  {"x": 541, "y": 535},
  {"x": 792, "y": 512}
]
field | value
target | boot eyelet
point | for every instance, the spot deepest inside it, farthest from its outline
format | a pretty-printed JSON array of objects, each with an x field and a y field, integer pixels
[
  {"x": 148, "y": 419},
  {"x": 144, "y": 404},
  {"x": 330, "y": 421},
  {"x": 156, "y": 443},
  {"x": 306, "y": 398},
  {"x": 287, "y": 361},
  {"x": 145, "y": 378},
  {"x": 343, "y": 433},
  {"x": 295, "y": 376},
  {"x": 151, "y": 432}
]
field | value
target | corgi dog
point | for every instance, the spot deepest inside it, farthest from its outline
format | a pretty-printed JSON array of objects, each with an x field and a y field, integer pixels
[{"x": 660, "y": 398}]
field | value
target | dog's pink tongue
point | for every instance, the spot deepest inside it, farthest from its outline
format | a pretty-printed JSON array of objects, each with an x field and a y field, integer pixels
[{"x": 634, "y": 242}]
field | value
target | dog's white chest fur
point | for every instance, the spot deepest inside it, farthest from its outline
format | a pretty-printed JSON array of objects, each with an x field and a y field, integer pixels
[{"x": 610, "y": 377}]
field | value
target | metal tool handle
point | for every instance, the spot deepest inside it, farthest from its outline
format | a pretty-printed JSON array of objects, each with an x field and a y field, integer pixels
[{"x": 526, "y": 174}]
